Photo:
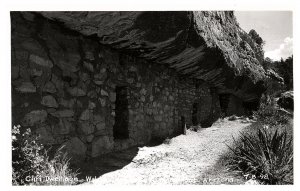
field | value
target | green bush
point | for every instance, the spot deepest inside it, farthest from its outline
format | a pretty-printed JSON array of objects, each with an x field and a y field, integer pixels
[
  {"x": 265, "y": 154},
  {"x": 32, "y": 165}
]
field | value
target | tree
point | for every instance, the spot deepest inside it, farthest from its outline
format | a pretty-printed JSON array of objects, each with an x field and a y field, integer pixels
[{"x": 255, "y": 36}]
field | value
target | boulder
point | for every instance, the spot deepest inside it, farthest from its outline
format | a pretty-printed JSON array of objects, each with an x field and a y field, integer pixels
[
  {"x": 64, "y": 127},
  {"x": 112, "y": 96},
  {"x": 35, "y": 117},
  {"x": 101, "y": 145},
  {"x": 40, "y": 61},
  {"x": 86, "y": 127},
  {"x": 286, "y": 100},
  {"x": 26, "y": 87},
  {"x": 63, "y": 113},
  {"x": 77, "y": 92},
  {"x": 86, "y": 115},
  {"x": 49, "y": 87},
  {"x": 49, "y": 101},
  {"x": 75, "y": 148}
]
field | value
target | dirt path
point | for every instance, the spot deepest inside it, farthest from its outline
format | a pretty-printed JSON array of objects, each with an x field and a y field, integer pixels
[{"x": 187, "y": 159}]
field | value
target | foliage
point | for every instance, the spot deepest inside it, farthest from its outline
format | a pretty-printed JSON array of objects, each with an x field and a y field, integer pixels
[
  {"x": 284, "y": 68},
  {"x": 269, "y": 114},
  {"x": 255, "y": 42},
  {"x": 266, "y": 154},
  {"x": 30, "y": 160},
  {"x": 255, "y": 36}
]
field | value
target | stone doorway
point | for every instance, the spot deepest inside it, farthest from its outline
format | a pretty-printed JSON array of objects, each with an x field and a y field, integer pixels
[
  {"x": 122, "y": 113},
  {"x": 195, "y": 114},
  {"x": 224, "y": 101}
]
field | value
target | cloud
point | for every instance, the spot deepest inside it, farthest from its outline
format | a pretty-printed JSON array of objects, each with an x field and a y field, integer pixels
[{"x": 285, "y": 50}]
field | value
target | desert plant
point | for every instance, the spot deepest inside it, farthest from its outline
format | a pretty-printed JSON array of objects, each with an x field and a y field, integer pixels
[
  {"x": 265, "y": 154},
  {"x": 269, "y": 114},
  {"x": 32, "y": 165}
]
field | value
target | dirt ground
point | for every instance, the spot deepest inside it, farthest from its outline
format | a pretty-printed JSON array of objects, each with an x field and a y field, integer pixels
[{"x": 195, "y": 158}]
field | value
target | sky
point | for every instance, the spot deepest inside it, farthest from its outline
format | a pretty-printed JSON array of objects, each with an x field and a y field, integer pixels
[{"x": 275, "y": 28}]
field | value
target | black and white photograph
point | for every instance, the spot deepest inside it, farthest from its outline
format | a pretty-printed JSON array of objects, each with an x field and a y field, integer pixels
[{"x": 150, "y": 97}]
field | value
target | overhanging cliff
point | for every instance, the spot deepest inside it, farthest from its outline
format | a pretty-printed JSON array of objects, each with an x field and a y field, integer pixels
[{"x": 202, "y": 45}]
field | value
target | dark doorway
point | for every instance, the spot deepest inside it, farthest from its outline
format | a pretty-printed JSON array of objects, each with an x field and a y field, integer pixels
[
  {"x": 195, "y": 114},
  {"x": 224, "y": 101},
  {"x": 182, "y": 120},
  {"x": 122, "y": 113}
]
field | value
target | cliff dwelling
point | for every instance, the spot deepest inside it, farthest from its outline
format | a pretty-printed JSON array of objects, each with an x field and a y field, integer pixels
[{"x": 99, "y": 82}]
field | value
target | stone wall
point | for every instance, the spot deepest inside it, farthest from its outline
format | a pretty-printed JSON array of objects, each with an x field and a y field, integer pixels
[{"x": 64, "y": 88}]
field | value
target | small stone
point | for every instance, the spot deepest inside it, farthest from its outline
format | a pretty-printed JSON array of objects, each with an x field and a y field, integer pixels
[
  {"x": 34, "y": 118},
  {"x": 88, "y": 66},
  {"x": 67, "y": 103},
  {"x": 89, "y": 138},
  {"x": 76, "y": 92},
  {"x": 151, "y": 98},
  {"x": 86, "y": 127},
  {"x": 92, "y": 105},
  {"x": 112, "y": 96},
  {"x": 26, "y": 87},
  {"x": 102, "y": 102},
  {"x": 100, "y": 76},
  {"x": 158, "y": 118},
  {"x": 86, "y": 115},
  {"x": 34, "y": 72},
  {"x": 49, "y": 87},
  {"x": 49, "y": 101},
  {"x": 64, "y": 126},
  {"x": 92, "y": 94},
  {"x": 100, "y": 126},
  {"x": 138, "y": 85},
  {"x": 143, "y": 91},
  {"x": 130, "y": 80},
  {"x": 98, "y": 118},
  {"x": 98, "y": 82},
  {"x": 143, "y": 99},
  {"x": 40, "y": 61},
  {"x": 104, "y": 93},
  {"x": 84, "y": 76},
  {"x": 63, "y": 113},
  {"x": 132, "y": 69},
  {"x": 70, "y": 64}
]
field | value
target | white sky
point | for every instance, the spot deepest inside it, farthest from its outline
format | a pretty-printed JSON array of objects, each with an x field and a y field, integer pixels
[{"x": 275, "y": 28}]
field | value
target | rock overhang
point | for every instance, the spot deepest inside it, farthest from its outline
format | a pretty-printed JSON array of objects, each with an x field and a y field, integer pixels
[{"x": 197, "y": 44}]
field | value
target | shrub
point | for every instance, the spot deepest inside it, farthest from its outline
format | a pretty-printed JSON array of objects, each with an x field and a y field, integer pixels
[
  {"x": 265, "y": 154},
  {"x": 269, "y": 114},
  {"x": 30, "y": 160}
]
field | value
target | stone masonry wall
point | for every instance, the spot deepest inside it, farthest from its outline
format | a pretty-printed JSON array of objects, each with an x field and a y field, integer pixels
[{"x": 64, "y": 88}]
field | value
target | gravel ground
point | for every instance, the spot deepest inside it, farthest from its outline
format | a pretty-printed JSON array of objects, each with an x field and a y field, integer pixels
[{"x": 187, "y": 159}]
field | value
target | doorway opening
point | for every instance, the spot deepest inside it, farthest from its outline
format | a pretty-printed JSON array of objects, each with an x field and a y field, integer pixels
[
  {"x": 224, "y": 101},
  {"x": 195, "y": 114},
  {"x": 122, "y": 113}
]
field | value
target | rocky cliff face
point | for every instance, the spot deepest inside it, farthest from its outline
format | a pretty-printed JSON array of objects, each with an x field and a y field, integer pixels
[{"x": 201, "y": 45}]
